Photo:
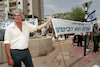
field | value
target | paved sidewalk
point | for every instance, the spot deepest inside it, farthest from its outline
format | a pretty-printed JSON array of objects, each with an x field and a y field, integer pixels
[
  {"x": 73, "y": 55},
  {"x": 35, "y": 65},
  {"x": 90, "y": 60}
]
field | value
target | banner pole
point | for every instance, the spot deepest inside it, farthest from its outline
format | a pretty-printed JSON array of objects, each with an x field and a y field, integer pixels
[{"x": 61, "y": 52}]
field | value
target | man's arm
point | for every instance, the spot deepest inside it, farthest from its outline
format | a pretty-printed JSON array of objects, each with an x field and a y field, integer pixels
[
  {"x": 10, "y": 60},
  {"x": 44, "y": 24}
]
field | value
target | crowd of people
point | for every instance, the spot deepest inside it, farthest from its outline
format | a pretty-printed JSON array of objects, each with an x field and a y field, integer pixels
[
  {"x": 45, "y": 31},
  {"x": 79, "y": 38},
  {"x": 89, "y": 37}
]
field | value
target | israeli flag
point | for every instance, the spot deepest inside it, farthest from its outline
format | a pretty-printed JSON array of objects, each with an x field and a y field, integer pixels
[{"x": 91, "y": 17}]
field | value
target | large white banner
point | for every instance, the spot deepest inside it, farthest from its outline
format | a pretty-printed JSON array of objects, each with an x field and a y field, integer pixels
[
  {"x": 34, "y": 22},
  {"x": 4, "y": 24},
  {"x": 66, "y": 26}
]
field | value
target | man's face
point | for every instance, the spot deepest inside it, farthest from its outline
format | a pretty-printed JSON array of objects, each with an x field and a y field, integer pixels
[
  {"x": 96, "y": 25},
  {"x": 18, "y": 17}
]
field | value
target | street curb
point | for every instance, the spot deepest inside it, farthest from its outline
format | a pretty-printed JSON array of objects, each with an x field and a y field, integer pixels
[{"x": 93, "y": 62}]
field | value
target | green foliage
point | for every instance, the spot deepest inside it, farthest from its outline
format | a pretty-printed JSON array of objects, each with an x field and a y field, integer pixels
[
  {"x": 77, "y": 14},
  {"x": 63, "y": 15}
]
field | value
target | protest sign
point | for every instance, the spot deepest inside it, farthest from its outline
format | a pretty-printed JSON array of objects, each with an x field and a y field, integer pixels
[
  {"x": 4, "y": 24},
  {"x": 67, "y": 26}
]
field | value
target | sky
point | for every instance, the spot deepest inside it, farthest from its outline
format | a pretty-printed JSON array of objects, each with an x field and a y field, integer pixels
[{"x": 62, "y": 6}]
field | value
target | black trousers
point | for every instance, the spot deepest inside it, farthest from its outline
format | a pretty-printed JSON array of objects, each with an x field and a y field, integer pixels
[
  {"x": 80, "y": 38},
  {"x": 21, "y": 55},
  {"x": 96, "y": 43}
]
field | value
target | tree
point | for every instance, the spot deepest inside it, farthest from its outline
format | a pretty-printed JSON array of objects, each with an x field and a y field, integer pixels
[
  {"x": 77, "y": 14},
  {"x": 63, "y": 15}
]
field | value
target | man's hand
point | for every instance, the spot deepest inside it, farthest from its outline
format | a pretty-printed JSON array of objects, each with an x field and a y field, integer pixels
[
  {"x": 44, "y": 24},
  {"x": 10, "y": 62}
]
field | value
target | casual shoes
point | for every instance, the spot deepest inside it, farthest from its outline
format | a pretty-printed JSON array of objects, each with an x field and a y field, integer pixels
[
  {"x": 97, "y": 53},
  {"x": 88, "y": 49}
]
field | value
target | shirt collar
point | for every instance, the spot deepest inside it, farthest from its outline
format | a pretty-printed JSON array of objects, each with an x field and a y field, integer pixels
[{"x": 13, "y": 24}]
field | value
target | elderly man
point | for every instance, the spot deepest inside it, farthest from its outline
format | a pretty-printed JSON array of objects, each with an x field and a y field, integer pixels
[
  {"x": 95, "y": 38},
  {"x": 16, "y": 40}
]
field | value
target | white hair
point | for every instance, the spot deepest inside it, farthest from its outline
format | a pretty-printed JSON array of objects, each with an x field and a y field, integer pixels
[{"x": 18, "y": 11}]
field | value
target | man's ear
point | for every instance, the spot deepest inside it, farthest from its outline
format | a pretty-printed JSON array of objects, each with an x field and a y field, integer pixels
[{"x": 22, "y": 18}]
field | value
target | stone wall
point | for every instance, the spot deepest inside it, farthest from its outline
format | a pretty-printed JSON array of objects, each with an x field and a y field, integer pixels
[{"x": 36, "y": 47}]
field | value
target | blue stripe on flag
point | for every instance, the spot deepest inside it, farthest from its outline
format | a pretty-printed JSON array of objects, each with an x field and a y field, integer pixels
[
  {"x": 92, "y": 20},
  {"x": 91, "y": 13}
]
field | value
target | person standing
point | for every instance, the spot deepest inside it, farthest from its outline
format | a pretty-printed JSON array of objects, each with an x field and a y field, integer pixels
[
  {"x": 80, "y": 39},
  {"x": 49, "y": 31},
  {"x": 17, "y": 38},
  {"x": 95, "y": 38},
  {"x": 87, "y": 38},
  {"x": 43, "y": 31}
]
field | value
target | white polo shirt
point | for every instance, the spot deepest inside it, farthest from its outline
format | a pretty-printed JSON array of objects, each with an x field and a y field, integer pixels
[{"x": 16, "y": 38}]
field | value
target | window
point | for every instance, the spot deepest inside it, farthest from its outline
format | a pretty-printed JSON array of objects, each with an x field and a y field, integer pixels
[
  {"x": 28, "y": 10},
  {"x": 28, "y": 4},
  {"x": 4, "y": 14},
  {"x": 19, "y": 3},
  {"x": 12, "y": 4},
  {"x": 5, "y": 5},
  {"x": 29, "y": 16},
  {"x": 1, "y": 0}
]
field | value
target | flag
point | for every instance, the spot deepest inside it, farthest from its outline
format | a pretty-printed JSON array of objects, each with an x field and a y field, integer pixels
[{"x": 91, "y": 17}]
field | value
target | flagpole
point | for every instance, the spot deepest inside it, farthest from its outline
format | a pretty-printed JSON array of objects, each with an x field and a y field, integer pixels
[
  {"x": 86, "y": 7},
  {"x": 61, "y": 52},
  {"x": 53, "y": 32}
]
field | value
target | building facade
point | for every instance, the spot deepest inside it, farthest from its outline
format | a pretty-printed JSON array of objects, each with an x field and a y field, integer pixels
[{"x": 31, "y": 9}]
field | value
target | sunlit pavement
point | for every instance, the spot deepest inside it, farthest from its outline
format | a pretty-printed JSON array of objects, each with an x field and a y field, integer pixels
[
  {"x": 90, "y": 60},
  {"x": 74, "y": 57}
]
